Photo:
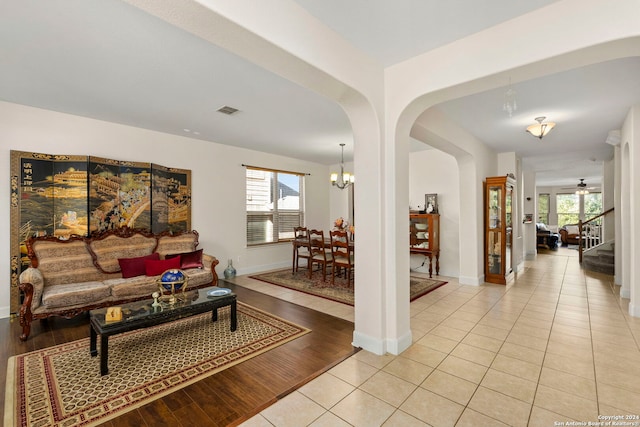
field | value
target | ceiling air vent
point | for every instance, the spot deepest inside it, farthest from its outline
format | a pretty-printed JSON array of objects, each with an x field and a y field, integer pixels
[{"x": 225, "y": 109}]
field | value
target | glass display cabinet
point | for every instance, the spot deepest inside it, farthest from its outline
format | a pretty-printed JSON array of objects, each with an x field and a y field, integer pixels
[
  {"x": 424, "y": 237},
  {"x": 498, "y": 194}
]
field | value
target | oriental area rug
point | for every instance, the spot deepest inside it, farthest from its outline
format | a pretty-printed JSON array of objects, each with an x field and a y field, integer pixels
[
  {"x": 342, "y": 291},
  {"x": 62, "y": 386}
]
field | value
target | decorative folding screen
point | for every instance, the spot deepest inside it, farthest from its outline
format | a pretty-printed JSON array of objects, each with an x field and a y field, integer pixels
[{"x": 61, "y": 195}]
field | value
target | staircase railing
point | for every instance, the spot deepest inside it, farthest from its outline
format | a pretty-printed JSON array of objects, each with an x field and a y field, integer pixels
[{"x": 590, "y": 232}]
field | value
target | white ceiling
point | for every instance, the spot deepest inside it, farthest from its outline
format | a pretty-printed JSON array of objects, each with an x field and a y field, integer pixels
[
  {"x": 392, "y": 31},
  {"x": 586, "y": 103},
  {"x": 107, "y": 60}
]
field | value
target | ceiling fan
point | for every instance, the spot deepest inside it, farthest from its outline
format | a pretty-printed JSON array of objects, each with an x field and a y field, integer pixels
[{"x": 581, "y": 186}]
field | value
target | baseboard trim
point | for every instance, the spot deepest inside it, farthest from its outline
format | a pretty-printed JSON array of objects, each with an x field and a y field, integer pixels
[
  {"x": 625, "y": 292},
  {"x": 396, "y": 347},
  {"x": 260, "y": 268},
  {"x": 472, "y": 281},
  {"x": 5, "y": 312},
  {"x": 634, "y": 310},
  {"x": 381, "y": 347},
  {"x": 369, "y": 343}
]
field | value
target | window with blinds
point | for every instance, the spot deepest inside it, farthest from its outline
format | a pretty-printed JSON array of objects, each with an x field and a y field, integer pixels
[{"x": 275, "y": 205}]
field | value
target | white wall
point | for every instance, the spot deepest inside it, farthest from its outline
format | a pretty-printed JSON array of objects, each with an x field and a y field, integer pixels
[
  {"x": 218, "y": 179},
  {"x": 432, "y": 171},
  {"x": 475, "y": 162},
  {"x": 338, "y": 199},
  {"x": 630, "y": 207}
]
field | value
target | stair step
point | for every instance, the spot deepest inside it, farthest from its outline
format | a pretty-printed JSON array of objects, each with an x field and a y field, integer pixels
[
  {"x": 605, "y": 269},
  {"x": 595, "y": 264},
  {"x": 600, "y": 258},
  {"x": 606, "y": 251},
  {"x": 609, "y": 258}
]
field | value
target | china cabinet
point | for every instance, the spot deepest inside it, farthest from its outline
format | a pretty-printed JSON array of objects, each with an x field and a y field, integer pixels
[
  {"x": 498, "y": 196},
  {"x": 424, "y": 237}
]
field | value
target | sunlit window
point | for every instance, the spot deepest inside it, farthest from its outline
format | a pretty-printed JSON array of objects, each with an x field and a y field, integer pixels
[
  {"x": 275, "y": 205},
  {"x": 592, "y": 205},
  {"x": 543, "y": 208},
  {"x": 568, "y": 208}
]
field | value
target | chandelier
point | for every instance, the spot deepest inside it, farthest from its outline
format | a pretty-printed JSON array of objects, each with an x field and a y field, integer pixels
[
  {"x": 344, "y": 179},
  {"x": 539, "y": 130}
]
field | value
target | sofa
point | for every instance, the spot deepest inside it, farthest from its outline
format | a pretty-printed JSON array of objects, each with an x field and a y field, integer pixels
[
  {"x": 570, "y": 234},
  {"x": 71, "y": 276}
]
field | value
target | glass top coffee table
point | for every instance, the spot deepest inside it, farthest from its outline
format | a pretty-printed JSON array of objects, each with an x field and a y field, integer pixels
[{"x": 142, "y": 314}]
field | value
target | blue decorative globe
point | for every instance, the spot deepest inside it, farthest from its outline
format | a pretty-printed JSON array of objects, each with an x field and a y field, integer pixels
[{"x": 173, "y": 277}]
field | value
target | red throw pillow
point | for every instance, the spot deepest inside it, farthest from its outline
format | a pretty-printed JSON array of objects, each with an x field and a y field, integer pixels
[
  {"x": 157, "y": 267},
  {"x": 188, "y": 259},
  {"x": 132, "y": 267}
]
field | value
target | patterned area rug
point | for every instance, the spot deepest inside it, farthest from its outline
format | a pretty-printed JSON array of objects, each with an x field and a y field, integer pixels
[
  {"x": 62, "y": 386},
  {"x": 341, "y": 291}
]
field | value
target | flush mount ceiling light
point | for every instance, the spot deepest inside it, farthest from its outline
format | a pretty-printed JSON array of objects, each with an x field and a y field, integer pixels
[
  {"x": 344, "y": 179},
  {"x": 540, "y": 129}
]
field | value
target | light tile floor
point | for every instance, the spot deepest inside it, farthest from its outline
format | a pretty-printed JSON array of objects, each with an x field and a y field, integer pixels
[{"x": 557, "y": 345}]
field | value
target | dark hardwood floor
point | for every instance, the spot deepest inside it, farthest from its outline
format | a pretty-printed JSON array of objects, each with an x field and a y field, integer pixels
[{"x": 228, "y": 397}]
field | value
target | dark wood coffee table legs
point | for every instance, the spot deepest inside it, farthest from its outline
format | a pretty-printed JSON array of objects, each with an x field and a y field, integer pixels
[
  {"x": 104, "y": 349},
  {"x": 93, "y": 337},
  {"x": 234, "y": 315},
  {"x": 104, "y": 354}
]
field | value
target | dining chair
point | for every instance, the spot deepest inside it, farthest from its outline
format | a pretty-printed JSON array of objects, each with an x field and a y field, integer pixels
[
  {"x": 320, "y": 254},
  {"x": 342, "y": 255},
  {"x": 300, "y": 247}
]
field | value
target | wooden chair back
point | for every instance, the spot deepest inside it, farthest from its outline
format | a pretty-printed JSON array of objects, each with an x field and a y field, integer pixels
[
  {"x": 320, "y": 254},
  {"x": 342, "y": 254},
  {"x": 301, "y": 246}
]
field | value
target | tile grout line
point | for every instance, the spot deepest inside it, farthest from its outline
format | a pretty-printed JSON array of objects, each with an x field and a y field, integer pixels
[{"x": 564, "y": 274}]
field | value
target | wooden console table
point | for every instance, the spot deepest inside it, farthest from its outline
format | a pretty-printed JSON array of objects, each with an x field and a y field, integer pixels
[{"x": 429, "y": 255}]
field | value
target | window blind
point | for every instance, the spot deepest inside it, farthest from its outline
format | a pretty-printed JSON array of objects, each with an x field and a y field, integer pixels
[{"x": 274, "y": 204}]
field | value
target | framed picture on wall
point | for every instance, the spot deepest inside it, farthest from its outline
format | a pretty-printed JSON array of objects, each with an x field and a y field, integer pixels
[{"x": 431, "y": 203}]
